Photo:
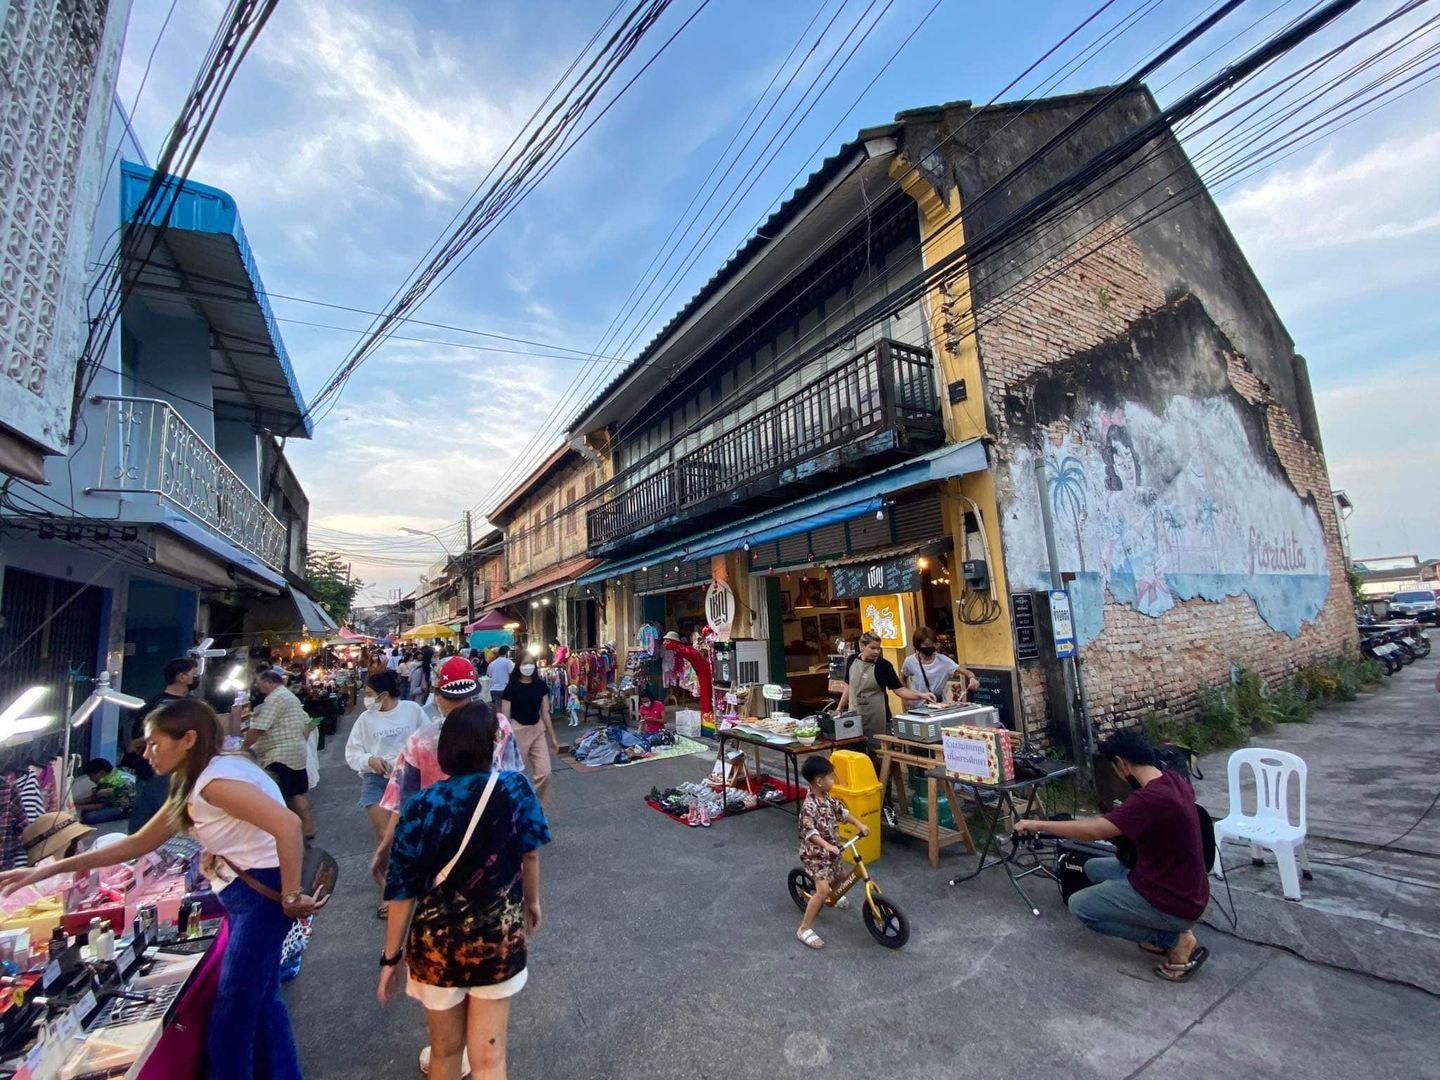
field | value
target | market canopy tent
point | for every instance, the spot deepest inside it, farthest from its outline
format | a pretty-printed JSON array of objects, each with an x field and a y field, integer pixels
[
  {"x": 495, "y": 620},
  {"x": 428, "y": 630}
]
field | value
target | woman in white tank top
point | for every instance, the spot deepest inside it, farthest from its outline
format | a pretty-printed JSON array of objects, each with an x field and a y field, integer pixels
[{"x": 234, "y": 810}]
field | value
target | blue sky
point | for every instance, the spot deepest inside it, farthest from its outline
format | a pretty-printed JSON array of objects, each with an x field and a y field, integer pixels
[{"x": 356, "y": 128}]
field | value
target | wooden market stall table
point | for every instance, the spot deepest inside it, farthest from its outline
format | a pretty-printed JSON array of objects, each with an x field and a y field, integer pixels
[
  {"x": 792, "y": 752},
  {"x": 896, "y": 754},
  {"x": 1000, "y": 804}
]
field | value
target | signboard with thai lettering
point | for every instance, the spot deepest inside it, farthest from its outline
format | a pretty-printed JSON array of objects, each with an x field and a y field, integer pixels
[
  {"x": 900, "y": 575},
  {"x": 720, "y": 609}
]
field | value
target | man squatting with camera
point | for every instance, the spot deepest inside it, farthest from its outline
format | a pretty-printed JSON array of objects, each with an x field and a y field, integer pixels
[{"x": 1156, "y": 902}]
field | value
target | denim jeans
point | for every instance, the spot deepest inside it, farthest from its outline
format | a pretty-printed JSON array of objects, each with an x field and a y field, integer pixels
[
  {"x": 249, "y": 1030},
  {"x": 1112, "y": 906}
]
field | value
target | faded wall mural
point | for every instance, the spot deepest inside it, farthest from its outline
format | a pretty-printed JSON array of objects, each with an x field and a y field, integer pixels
[{"x": 1159, "y": 509}]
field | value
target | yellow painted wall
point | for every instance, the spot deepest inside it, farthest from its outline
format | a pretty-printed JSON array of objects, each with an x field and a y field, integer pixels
[{"x": 952, "y": 338}]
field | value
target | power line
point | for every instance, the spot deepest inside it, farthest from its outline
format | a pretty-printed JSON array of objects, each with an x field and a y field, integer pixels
[{"x": 544, "y": 148}]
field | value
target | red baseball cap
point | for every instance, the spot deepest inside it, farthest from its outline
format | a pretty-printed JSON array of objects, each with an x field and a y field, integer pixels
[{"x": 457, "y": 678}]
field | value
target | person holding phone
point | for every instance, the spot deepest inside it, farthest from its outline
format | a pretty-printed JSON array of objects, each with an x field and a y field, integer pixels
[
  {"x": 375, "y": 743},
  {"x": 234, "y": 810}
]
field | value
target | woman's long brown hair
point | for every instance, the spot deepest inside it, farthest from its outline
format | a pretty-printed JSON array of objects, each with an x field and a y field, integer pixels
[{"x": 175, "y": 719}]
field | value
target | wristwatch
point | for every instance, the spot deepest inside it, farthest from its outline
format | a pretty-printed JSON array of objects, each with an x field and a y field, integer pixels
[
  {"x": 291, "y": 897},
  {"x": 391, "y": 961}
]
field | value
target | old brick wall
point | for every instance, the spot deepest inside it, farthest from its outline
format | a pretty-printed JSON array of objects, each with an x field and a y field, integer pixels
[{"x": 1140, "y": 663}]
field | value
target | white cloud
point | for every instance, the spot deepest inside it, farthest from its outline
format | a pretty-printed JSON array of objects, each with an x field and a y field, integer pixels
[{"x": 1336, "y": 199}]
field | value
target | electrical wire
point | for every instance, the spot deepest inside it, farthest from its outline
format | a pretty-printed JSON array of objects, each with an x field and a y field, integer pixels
[
  {"x": 548, "y": 143},
  {"x": 1143, "y": 8}
]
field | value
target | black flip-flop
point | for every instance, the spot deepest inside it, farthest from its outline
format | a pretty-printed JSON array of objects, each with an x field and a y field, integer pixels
[{"x": 1179, "y": 973}]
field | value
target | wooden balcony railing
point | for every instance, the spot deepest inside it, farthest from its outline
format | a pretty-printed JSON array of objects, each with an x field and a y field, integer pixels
[{"x": 889, "y": 388}]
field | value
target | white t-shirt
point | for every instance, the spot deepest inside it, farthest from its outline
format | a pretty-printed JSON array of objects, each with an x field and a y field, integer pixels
[
  {"x": 499, "y": 672},
  {"x": 392, "y": 661},
  {"x": 381, "y": 734},
  {"x": 248, "y": 846},
  {"x": 929, "y": 678}
]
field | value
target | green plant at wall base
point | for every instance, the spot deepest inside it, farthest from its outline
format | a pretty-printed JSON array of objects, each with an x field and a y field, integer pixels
[{"x": 1230, "y": 713}]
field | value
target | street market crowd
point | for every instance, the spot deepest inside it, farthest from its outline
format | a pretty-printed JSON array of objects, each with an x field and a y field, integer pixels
[{"x": 452, "y": 757}]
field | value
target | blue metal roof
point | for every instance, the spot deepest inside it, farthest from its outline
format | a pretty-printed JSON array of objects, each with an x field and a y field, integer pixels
[
  {"x": 196, "y": 208},
  {"x": 838, "y": 504}
]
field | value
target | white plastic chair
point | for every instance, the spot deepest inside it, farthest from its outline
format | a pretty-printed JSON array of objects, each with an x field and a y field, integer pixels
[{"x": 1269, "y": 826}]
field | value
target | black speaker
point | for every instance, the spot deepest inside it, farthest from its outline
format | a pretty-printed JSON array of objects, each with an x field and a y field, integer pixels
[{"x": 1070, "y": 859}]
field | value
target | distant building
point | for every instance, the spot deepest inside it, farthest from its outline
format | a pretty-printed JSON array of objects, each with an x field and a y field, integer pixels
[{"x": 1383, "y": 576}]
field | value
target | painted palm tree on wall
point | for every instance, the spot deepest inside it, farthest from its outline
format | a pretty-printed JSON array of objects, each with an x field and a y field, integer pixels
[{"x": 1067, "y": 497}]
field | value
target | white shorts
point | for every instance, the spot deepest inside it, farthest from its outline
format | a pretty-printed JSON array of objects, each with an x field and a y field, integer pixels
[{"x": 443, "y": 998}]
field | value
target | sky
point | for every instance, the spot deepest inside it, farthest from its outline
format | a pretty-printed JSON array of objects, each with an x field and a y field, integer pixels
[{"x": 355, "y": 130}]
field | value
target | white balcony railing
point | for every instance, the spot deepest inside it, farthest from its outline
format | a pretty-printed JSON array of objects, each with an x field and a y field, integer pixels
[{"x": 148, "y": 448}]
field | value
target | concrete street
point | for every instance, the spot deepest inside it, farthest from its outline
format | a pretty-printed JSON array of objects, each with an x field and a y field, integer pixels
[{"x": 670, "y": 952}]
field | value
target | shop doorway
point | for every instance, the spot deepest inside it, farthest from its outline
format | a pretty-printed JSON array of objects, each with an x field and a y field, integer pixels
[{"x": 159, "y": 626}]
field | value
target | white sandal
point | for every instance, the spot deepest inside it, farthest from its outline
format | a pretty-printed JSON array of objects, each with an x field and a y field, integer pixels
[{"x": 810, "y": 938}]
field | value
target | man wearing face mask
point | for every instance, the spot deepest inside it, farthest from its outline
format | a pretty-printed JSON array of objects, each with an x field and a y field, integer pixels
[
  {"x": 927, "y": 669},
  {"x": 526, "y": 701},
  {"x": 1155, "y": 903}
]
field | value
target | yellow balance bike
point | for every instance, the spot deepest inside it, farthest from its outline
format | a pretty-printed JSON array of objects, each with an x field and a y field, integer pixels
[{"x": 886, "y": 922}]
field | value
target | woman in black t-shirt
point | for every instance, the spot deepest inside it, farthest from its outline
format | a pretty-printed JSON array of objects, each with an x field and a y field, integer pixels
[{"x": 526, "y": 701}]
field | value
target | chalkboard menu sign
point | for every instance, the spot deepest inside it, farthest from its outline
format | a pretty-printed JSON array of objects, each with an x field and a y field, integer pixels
[
  {"x": 871, "y": 579},
  {"x": 1022, "y": 609},
  {"x": 997, "y": 689}
]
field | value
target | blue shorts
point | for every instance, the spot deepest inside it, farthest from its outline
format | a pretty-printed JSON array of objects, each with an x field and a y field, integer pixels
[{"x": 372, "y": 789}]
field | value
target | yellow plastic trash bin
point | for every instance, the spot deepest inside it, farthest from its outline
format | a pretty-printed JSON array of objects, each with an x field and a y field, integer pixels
[{"x": 857, "y": 786}]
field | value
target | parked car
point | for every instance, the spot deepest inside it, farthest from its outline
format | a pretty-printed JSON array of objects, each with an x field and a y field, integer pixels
[{"x": 1419, "y": 604}]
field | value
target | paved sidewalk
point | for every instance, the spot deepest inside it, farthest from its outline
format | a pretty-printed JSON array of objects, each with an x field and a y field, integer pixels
[
  {"x": 670, "y": 953},
  {"x": 1373, "y": 770}
]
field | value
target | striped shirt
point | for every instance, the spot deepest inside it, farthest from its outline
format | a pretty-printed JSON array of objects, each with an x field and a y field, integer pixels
[{"x": 286, "y": 727}]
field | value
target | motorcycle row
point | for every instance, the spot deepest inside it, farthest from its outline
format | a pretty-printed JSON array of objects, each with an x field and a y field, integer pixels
[{"x": 1392, "y": 643}]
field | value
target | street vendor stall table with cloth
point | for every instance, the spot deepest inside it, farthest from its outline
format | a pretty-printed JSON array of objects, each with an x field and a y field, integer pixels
[{"x": 792, "y": 752}]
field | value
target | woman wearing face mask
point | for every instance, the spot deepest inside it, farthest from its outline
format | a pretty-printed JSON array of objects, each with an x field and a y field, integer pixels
[
  {"x": 927, "y": 670},
  {"x": 374, "y": 744},
  {"x": 526, "y": 702}
]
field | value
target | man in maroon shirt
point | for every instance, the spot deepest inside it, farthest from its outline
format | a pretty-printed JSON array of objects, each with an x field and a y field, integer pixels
[{"x": 1157, "y": 901}]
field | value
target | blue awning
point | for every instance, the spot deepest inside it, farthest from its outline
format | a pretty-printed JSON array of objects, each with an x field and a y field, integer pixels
[
  {"x": 204, "y": 261},
  {"x": 313, "y": 618},
  {"x": 210, "y": 541},
  {"x": 838, "y": 504}
]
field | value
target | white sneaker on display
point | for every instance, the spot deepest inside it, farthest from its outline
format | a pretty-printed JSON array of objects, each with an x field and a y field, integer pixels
[{"x": 464, "y": 1062}]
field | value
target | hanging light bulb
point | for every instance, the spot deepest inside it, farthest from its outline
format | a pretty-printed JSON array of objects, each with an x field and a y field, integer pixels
[
  {"x": 880, "y": 515},
  {"x": 923, "y": 563}
]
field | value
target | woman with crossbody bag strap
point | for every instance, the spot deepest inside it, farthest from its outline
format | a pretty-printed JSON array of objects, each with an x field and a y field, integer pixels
[
  {"x": 927, "y": 670},
  {"x": 235, "y": 811},
  {"x": 463, "y": 885}
]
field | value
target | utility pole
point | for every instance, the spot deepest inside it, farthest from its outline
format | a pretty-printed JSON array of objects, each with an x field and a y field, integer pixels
[
  {"x": 1077, "y": 724},
  {"x": 466, "y": 569}
]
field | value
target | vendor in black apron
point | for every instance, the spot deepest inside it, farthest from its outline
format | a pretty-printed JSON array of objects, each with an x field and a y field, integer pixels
[{"x": 867, "y": 678}]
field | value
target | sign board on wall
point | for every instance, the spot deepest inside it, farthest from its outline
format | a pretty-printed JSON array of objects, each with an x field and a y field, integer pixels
[
  {"x": 720, "y": 609},
  {"x": 884, "y": 616},
  {"x": 1062, "y": 625},
  {"x": 1022, "y": 612},
  {"x": 871, "y": 579}
]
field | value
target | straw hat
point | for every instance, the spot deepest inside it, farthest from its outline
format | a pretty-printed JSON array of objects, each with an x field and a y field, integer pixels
[{"x": 51, "y": 835}]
